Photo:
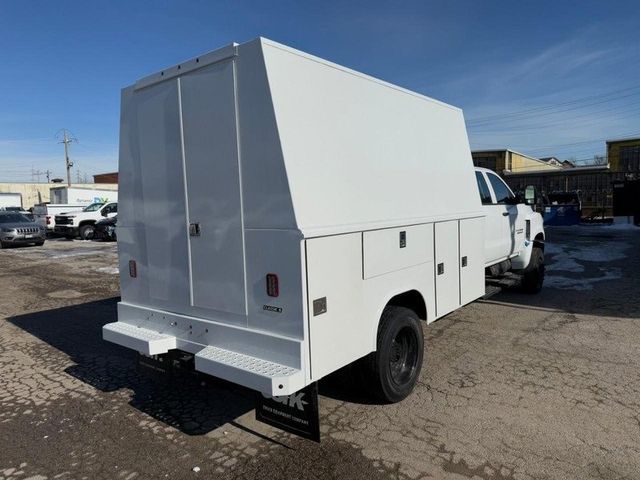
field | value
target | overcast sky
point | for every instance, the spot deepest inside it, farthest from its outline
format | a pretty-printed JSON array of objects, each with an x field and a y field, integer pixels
[{"x": 545, "y": 78}]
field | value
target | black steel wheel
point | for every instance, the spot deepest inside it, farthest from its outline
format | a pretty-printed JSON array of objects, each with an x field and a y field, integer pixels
[{"x": 392, "y": 370}]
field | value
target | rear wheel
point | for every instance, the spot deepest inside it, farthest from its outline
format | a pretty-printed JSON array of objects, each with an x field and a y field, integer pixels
[
  {"x": 87, "y": 232},
  {"x": 39, "y": 244},
  {"x": 533, "y": 276},
  {"x": 392, "y": 370}
]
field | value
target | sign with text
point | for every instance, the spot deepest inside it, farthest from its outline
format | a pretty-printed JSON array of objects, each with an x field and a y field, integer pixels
[{"x": 296, "y": 413}]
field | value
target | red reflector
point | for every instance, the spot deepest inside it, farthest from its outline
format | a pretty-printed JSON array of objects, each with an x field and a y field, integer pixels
[
  {"x": 133, "y": 270},
  {"x": 273, "y": 290},
  {"x": 48, "y": 220}
]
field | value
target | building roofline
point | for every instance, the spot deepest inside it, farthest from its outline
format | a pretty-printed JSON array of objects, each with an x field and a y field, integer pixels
[
  {"x": 630, "y": 139},
  {"x": 568, "y": 171}
]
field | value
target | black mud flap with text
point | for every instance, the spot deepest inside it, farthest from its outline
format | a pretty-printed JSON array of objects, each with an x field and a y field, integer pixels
[{"x": 296, "y": 413}]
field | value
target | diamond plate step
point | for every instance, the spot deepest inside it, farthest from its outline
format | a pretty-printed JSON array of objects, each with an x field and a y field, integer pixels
[
  {"x": 263, "y": 375},
  {"x": 141, "y": 339}
]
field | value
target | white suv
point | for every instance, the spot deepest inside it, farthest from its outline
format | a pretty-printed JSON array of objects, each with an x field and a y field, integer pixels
[{"x": 514, "y": 235}]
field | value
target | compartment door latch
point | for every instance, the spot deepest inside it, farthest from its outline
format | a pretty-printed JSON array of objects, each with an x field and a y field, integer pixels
[{"x": 194, "y": 229}]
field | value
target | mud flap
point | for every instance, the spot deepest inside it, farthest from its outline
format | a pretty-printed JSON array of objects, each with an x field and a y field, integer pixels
[{"x": 296, "y": 413}]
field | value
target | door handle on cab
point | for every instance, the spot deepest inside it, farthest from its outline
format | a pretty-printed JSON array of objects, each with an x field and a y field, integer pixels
[{"x": 505, "y": 214}]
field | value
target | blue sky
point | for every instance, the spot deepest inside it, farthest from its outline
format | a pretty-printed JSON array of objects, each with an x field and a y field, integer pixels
[{"x": 569, "y": 70}]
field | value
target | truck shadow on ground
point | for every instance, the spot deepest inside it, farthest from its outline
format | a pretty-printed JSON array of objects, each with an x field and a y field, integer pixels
[{"x": 190, "y": 402}]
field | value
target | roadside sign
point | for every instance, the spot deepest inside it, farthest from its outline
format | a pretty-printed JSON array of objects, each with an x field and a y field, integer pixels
[{"x": 296, "y": 413}]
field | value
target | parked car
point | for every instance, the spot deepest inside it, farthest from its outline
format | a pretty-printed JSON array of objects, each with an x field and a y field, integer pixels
[
  {"x": 105, "y": 229},
  {"x": 20, "y": 210},
  {"x": 16, "y": 229},
  {"x": 82, "y": 223}
]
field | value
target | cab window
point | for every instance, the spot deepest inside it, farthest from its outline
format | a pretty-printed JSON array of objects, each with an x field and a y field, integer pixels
[
  {"x": 111, "y": 208},
  {"x": 485, "y": 195},
  {"x": 503, "y": 194}
]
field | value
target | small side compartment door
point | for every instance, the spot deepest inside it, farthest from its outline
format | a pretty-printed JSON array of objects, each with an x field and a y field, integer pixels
[
  {"x": 336, "y": 322},
  {"x": 447, "y": 270},
  {"x": 472, "y": 259}
]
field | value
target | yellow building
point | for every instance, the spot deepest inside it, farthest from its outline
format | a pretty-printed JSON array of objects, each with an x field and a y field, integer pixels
[
  {"x": 624, "y": 155},
  {"x": 33, "y": 193},
  {"x": 510, "y": 161}
]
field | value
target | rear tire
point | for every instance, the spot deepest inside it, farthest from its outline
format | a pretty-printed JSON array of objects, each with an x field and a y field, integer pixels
[
  {"x": 87, "y": 232},
  {"x": 392, "y": 370},
  {"x": 533, "y": 276}
]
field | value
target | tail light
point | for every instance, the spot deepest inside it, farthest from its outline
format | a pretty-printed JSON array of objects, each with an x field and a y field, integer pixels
[
  {"x": 48, "y": 219},
  {"x": 273, "y": 289},
  {"x": 133, "y": 269}
]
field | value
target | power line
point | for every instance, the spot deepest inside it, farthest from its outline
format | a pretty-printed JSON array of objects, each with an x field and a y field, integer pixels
[
  {"x": 586, "y": 117},
  {"x": 551, "y": 107}
]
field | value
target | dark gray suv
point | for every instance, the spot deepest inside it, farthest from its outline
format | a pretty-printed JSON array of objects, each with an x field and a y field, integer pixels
[{"x": 16, "y": 229}]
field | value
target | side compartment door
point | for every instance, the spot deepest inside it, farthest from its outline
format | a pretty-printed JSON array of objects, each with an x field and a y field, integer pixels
[
  {"x": 447, "y": 270},
  {"x": 336, "y": 320},
  {"x": 472, "y": 259}
]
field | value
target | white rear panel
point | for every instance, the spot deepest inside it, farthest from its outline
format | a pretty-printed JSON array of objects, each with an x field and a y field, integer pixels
[{"x": 158, "y": 217}]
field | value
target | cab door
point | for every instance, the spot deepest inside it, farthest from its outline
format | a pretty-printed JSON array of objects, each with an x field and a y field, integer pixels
[
  {"x": 495, "y": 245},
  {"x": 506, "y": 212}
]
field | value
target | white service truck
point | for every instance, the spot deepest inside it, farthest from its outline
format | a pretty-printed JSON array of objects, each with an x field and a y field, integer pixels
[
  {"x": 282, "y": 217},
  {"x": 81, "y": 195}
]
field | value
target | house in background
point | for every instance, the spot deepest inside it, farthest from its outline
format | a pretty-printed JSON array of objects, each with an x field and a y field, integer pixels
[
  {"x": 624, "y": 156},
  {"x": 501, "y": 161}
]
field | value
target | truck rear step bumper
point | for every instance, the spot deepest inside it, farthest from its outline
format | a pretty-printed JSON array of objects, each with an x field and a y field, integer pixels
[
  {"x": 268, "y": 377},
  {"x": 262, "y": 375},
  {"x": 140, "y": 339}
]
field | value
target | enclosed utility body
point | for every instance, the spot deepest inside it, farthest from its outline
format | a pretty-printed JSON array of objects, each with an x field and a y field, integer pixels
[{"x": 274, "y": 204}]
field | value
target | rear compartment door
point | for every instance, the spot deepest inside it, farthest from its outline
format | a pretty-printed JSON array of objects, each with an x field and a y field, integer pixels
[
  {"x": 214, "y": 217},
  {"x": 184, "y": 206}
]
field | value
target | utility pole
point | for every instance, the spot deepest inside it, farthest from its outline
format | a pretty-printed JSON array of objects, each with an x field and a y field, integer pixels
[
  {"x": 66, "y": 140},
  {"x": 48, "y": 173}
]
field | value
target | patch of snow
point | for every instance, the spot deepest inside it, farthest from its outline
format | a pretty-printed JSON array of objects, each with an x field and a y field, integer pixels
[
  {"x": 110, "y": 270},
  {"x": 580, "y": 284},
  {"x": 564, "y": 264}
]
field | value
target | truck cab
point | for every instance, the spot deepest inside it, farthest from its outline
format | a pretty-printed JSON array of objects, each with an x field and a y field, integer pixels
[
  {"x": 82, "y": 223},
  {"x": 514, "y": 234}
]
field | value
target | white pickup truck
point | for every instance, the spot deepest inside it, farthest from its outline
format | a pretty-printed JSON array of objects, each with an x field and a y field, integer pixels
[
  {"x": 514, "y": 234},
  {"x": 81, "y": 223}
]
